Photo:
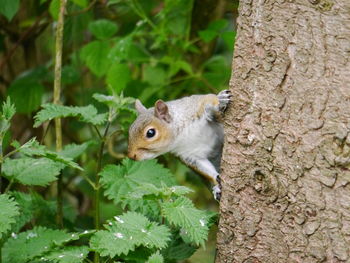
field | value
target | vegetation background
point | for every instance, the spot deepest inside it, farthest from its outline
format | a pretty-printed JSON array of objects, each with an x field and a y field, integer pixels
[{"x": 121, "y": 48}]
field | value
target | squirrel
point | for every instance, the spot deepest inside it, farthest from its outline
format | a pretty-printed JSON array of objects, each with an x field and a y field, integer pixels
[{"x": 188, "y": 127}]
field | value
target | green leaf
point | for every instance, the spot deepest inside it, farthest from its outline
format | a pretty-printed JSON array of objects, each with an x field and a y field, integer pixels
[
  {"x": 74, "y": 150},
  {"x": 8, "y": 110},
  {"x": 127, "y": 232},
  {"x": 26, "y": 208},
  {"x": 120, "y": 180},
  {"x": 218, "y": 25},
  {"x": 68, "y": 254},
  {"x": 192, "y": 221},
  {"x": 30, "y": 171},
  {"x": 217, "y": 71},
  {"x": 146, "y": 190},
  {"x": 118, "y": 77},
  {"x": 95, "y": 56},
  {"x": 229, "y": 38},
  {"x": 178, "y": 250},
  {"x": 115, "y": 101},
  {"x": 85, "y": 114},
  {"x": 9, "y": 211},
  {"x": 207, "y": 35},
  {"x": 155, "y": 258},
  {"x": 103, "y": 29},
  {"x": 33, "y": 243},
  {"x": 9, "y": 8},
  {"x": 33, "y": 93},
  {"x": 154, "y": 75},
  {"x": 54, "y": 9}
]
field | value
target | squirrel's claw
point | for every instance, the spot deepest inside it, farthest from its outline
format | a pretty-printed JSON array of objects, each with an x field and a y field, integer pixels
[{"x": 224, "y": 97}]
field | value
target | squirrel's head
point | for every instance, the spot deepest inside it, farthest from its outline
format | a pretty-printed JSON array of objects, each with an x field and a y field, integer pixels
[{"x": 150, "y": 134}]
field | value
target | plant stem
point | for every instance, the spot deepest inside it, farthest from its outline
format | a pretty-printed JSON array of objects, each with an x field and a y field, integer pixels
[
  {"x": 56, "y": 100},
  {"x": 97, "y": 185}
]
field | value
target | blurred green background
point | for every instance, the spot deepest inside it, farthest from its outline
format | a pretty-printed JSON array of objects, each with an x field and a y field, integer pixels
[{"x": 146, "y": 49}]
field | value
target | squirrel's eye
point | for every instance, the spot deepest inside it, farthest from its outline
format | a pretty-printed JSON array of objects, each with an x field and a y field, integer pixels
[{"x": 150, "y": 133}]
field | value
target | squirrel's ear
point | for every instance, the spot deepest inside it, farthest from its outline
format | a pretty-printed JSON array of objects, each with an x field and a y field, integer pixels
[
  {"x": 139, "y": 107},
  {"x": 161, "y": 111}
]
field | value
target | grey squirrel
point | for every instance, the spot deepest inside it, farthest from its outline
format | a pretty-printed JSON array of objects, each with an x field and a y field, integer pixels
[{"x": 187, "y": 127}]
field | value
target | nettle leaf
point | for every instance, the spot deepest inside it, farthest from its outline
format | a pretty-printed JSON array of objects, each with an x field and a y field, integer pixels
[
  {"x": 8, "y": 110},
  {"x": 127, "y": 232},
  {"x": 192, "y": 221},
  {"x": 68, "y": 254},
  {"x": 146, "y": 190},
  {"x": 9, "y": 211},
  {"x": 118, "y": 77},
  {"x": 95, "y": 56},
  {"x": 178, "y": 250},
  {"x": 120, "y": 180},
  {"x": 31, "y": 101},
  {"x": 26, "y": 208},
  {"x": 30, "y": 171},
  {"x": 155, "y": 258},
  {"x": 74, "y": 150},
  {"x": 85, "y": 114},
  {"x": 34, "y": 243},
  {"x": 33, "y": 148},
  {"x": 9, "y": 8},
  {"x": 103, "y": 29}
]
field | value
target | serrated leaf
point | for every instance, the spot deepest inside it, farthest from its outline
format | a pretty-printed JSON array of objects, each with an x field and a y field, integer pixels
[
  {"x": 95, "y": 56},
  {"x": 67, "y": 255},
  {"x": 155, "y": 258},
  {"x": 31, "y": 101},
  {"x": 146, "y": 189},
  {"x": 30, "y": 171},
  {"x": 120, "y": 180},
  {"x": 33, "y": 243},
  {"x": 103, "y": 28},
  {"x": 128, "y": 231},
  {"x": 9, "y": 8},
  {"x": 118, "y": 77},
  {"x": 33, "y": 148},
  {"x": 178, "y": 250},
  {"x": 9, "y": 211},
  {"x": 8, "y": 109},
  {"x": 26, "y": 208},
  {"x": 85, "y": 114},
  {"x": 191, "y": 220},
  {"x": 74, "y": 150}
]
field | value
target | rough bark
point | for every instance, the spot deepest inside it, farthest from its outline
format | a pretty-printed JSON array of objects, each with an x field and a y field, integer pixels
[{"x": 286, "y": 191}]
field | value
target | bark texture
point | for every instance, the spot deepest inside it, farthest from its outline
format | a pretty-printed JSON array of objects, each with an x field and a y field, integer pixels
[{"x": 286, "y": 191}]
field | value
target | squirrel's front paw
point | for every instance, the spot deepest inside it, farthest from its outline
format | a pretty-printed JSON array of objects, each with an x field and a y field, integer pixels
[
  {"x": 217, "y": 192},
  {"x": 224, "y": 97}
]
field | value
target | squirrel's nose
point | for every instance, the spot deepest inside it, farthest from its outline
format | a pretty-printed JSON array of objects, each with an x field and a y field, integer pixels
[{"x": 132, "y": 155}]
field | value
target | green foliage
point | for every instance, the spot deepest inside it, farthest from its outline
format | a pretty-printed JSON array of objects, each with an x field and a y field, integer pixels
[
  {"x": 68, "y": 254},
  {"x": 155, "y": 258},
  {"x": 9, "y": 211},
  {"x": 120, "y": 180},
  {"x": 193, "y": 222},
  {"x": 35, "y": 243},
  {"x": 113, "y": 53},
  {"x": 31, "y": 171},
  {"x": 103, "y": 29},
  {"x": 128, "y": 231},
  {"x": 9, "y": 8},
  {"x": 85, "y": 114}
]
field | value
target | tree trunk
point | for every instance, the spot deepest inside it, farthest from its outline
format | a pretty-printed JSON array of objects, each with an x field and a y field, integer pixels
[{"x": 285, "y": 178}]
